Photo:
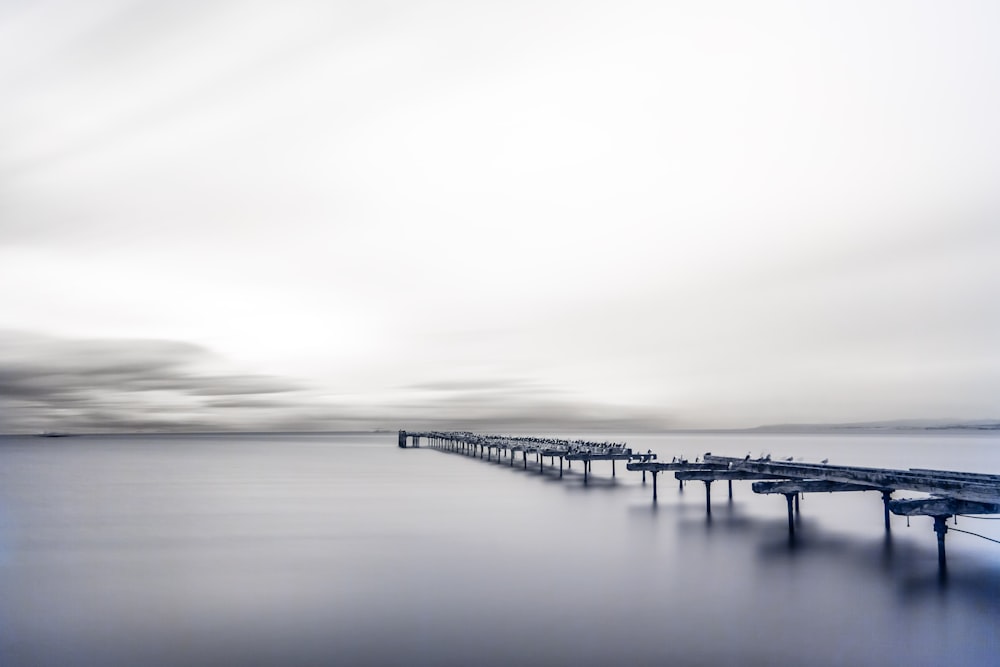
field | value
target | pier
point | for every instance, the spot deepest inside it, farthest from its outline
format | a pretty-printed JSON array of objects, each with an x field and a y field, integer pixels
[
  {"x": 567, "y": 451},
  {"x": 948, "y": 493}
]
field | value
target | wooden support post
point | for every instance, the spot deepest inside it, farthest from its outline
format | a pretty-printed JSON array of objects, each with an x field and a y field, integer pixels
[
  {"x": 941, "y": 527},
  {"x": 560, "y": 466},
  {"x": 708, "y": 497},
  {"x": 654, "y": 486},
  {"x": 524, "y": 458},
  {"x": 541, "y": 465},
  {"x": 612, "y": 467},
  {"x": 643, "y": 476},
  {"x": 791, "y": 519},
  {"x": 797, "y": 502},
  {"x": 586, "y": 469},
  {"x": 886, "y": 496},
  {"x": 730, "y": 491}
]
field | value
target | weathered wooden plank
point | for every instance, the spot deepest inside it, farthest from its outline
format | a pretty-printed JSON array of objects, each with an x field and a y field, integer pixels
[
  {"x": 940, "y": 507},
  {"x": 589, "y": 456},
  {"x": 712, "y": 475},
  {"x": 674, "y": 466},
  {"x": 976, "y": 491},
  {"x": 808, "y": 486},
  {"x": 971, "y": 476}
]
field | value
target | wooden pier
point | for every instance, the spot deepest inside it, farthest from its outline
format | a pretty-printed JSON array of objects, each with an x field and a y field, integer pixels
[
  {"x": 567, "y": 451},
  {"x": 949, "y": 493}
]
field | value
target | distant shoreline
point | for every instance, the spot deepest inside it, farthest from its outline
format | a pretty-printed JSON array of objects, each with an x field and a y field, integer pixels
[{"x": 870, "y": 428}]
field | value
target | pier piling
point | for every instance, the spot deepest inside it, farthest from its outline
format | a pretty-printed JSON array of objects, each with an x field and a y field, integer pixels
[
  {"x": 791, "y": 517},
  {"x": 941, "y": 527},
  {"x": 886, "y": 497}
]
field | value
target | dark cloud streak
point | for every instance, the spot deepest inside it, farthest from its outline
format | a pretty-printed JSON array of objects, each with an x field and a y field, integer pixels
[
  {"x": 104, "y": 385},
  {"x": 48, "y": 383}
]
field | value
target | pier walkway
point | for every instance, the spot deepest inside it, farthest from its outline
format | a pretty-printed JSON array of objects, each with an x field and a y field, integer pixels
[{"x": 947, "y": 493}]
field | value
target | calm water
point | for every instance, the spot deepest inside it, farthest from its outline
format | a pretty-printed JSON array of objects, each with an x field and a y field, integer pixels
[{"x": 344, "y": 549}]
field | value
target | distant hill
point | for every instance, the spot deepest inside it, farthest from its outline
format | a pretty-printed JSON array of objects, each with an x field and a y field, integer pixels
[{"x": 887, "y": 426}]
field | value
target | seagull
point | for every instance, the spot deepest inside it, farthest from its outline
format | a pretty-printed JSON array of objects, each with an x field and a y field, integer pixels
[
  {"x": 790, "y": 458},
  {"x": 825, "y": 461}
]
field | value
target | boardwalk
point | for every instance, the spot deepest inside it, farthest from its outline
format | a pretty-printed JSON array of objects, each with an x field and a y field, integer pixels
[{"x": 947, "y": 493}]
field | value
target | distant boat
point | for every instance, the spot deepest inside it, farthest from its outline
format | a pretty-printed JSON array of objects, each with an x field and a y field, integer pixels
[{"x": 53, "y": 434}]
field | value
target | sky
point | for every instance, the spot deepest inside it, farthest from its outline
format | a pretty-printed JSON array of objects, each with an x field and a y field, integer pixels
[{"x": 514, "y": 216}]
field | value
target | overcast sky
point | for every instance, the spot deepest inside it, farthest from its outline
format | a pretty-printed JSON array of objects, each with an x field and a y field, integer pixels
[{"x": 514, "y": 215}]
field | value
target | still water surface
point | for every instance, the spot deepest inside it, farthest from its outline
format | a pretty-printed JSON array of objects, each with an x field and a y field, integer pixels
[{"x": 346, "y": 550}]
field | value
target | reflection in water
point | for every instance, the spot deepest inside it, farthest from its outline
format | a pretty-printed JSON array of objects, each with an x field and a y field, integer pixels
[{"x": 295, "y": 550}]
